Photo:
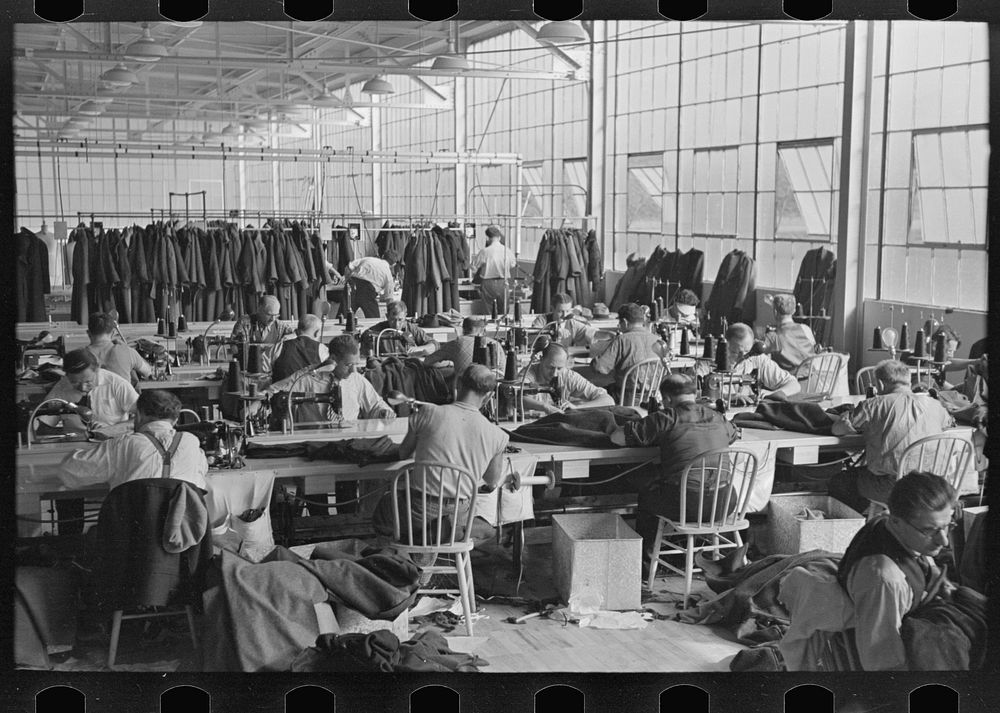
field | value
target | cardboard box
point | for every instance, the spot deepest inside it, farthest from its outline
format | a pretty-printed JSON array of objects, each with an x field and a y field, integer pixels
[
  {"x": 597, "y": 554},
  {"x": 788, "y": 535}
]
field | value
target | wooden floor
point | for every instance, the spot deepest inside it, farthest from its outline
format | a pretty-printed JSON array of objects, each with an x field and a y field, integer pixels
[{"x": 549, "y": 645}]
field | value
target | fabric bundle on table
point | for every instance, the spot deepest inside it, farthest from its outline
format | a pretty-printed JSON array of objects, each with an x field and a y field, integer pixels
[
  {"x": 589, "y": 428},
  {"x": 568, "y": 260},
  {"x": 410, "y": 376},
  {"x": 353, "y": 450},
  {"x": 198, "y": 271}
]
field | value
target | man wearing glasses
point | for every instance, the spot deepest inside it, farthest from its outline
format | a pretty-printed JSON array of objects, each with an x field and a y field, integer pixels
[
  {"x": 889, "y": 571},
  {"x": 264, "y": 327}
]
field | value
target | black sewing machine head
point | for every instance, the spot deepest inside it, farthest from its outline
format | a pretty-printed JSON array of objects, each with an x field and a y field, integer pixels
[
  {"x": 30, "y": 351},
  {"x": 332, "y": 397},
  {"x": 222, "y": 442}
]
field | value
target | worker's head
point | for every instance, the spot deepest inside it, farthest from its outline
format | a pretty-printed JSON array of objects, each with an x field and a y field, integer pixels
[
  {"x": 390, "y": 256},
  {"x": 783, "y": 305},
  {"x": 345, "y": 354},
  {"x": 739, "y": 340},
  {"x": 677, "y": 388},
  {"x": 395, "y": 314},
  {"x": 922, "y": 506},
  {"x": 476, "y": 382},
  {"x": 100, "y": 327},
  {"x": 493, "y": 234},
  {"x": 685, "y": 304},
  {"x": 81, "y": 368},
  {"x": 268, "y": 309},
  {"x": 631, "y": 315},
  {"x": 951, "y": 340},
  {"x": 309, "y": 325},
  {"x": 156, "y": 405},
  {"x": 892, "y": 374},
  {"x": 473, "y": 326},
  {"x": 562, "y": 305},
  {"x": 554, "y": 362}
]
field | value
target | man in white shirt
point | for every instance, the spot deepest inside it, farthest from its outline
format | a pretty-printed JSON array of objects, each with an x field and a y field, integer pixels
[
  {"x": 575, "y": 391},
  {"x": 369, "y": 278},
  {"x": 573, "y": 330},
  {"x": 109, "y": 397},
  {"x": 133, "y": 456},
  {"x": 771, "y": 378},
  {"x": 120, "y": 359},
  {"x": 494, "y": 262}
]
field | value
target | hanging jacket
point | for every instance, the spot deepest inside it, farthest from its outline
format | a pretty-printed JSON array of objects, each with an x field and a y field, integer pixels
[
  {"x": 733, "y": 292},
  {"x": 819, "y": 264},
  {"x": 636, "y": 270},
  {"x": 31, "y": 276}
]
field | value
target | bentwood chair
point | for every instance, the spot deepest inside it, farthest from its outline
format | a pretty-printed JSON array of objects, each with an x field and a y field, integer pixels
[
  {"x": 820, "y": 373},
  {"x": 865, "y": 378},
  {"x": 432, "y": 527},
  {"x": 722, "y": 480},
  {"x": 641, "y": 381}
]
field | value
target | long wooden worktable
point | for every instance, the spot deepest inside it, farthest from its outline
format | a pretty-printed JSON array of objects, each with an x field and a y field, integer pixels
[{"x": 37, "y": 466}]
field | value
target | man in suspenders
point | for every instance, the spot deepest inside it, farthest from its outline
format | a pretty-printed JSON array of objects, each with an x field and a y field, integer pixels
[{"x": 154, "y": 450}]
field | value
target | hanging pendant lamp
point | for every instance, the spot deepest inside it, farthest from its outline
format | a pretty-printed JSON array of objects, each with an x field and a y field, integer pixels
[
  {"x": 145, "y": 49},
  {"x": 377, "y": 85},
  {"x": 119, "y": 76},
  {"x": 561, "y": 32},
  {"x": 92, "y": 108}
]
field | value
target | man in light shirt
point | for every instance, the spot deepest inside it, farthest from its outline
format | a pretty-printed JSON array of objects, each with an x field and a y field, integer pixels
[
  {"x": 574, "y": 331},
  {"x": 459, "y": 351},
  {"x": 771, "y": 378},
  {"x": 411, "y": 340},
  {"x": 264, "y": 327},
  {"x": 889, "y": 422},
  {"x": 134, "y": 456},
  {"x": 120, "y": 359},
  {"x": 369, "y": 278},
  {"x": 110, "y": 398},
  {"x": 575, "y": 391},
  {"x": 495, "y": 261}
]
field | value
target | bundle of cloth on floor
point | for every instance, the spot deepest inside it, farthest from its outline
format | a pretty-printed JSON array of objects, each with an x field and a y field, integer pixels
[
  {"x": 353, "y": 450},
  {"x": 590, "y": 427},
  {"x": 260, "y": 617},
  {"x": 383, "y": 651}
]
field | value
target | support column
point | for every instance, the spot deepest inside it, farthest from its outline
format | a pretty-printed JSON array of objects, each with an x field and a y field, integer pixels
[
  {"x": 461, "y": 145},
  {"x": 853, "y": 197},
  {"x": 376, "y": 122},
  {"x": 597, "y": 123}
]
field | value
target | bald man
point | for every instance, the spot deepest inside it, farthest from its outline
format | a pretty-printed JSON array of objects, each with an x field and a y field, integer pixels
[
  {"x": 264, "y": 327},
  {"x": 305, "y": 350}
]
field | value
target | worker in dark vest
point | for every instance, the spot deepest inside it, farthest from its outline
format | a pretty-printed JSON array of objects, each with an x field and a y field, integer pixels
[{"x": 302, "y": 351}]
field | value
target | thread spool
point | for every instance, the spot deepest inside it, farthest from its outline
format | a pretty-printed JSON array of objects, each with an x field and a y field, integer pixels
[
  {"x": 510, "y": 368},
  {"x": 721, "y": 356},
  {"x": 685, "y": 344},
  {"x": 349, "y": 325},
  {"x": 206, "y": 413},
  {"x": 171, "y": 328},
  {"x": 654, "y": 311},
  {"x": 517, "y": 311},
  {"x": 709, "y": 351},
  {"x": 479, "y": 352},
  {"x": 254, "y": 359},
  {"x": 252, "y": 388},
  {"x": 919, "y": 344},
  {"x": 161, "y": 327},
  {"x": 234, "y": 379},
  {"x": 493, "y": 311},
  {"x": 904, "y": 338},
  {"x": 182, "y": 325},
  {"x": 877, "y": 339},
  {"x": 940, "y": 348}
]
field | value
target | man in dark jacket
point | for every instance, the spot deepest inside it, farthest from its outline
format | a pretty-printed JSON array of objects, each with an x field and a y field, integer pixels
[
  {"x": 305, "y": 350},
  {"x": 683, "y": 430}
]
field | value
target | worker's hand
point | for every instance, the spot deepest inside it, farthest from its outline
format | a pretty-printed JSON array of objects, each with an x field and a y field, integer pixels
[
  {"x": 551, "y": 408},
  {"x": 514, "y": 482}
]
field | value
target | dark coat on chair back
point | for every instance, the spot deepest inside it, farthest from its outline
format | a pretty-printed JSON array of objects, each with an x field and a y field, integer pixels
[{"x": 133, "y": 569}]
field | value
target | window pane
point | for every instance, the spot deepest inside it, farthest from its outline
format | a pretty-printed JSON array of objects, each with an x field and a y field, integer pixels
[
  {"x": 955, "y": 153},
  {"x": 935, "y": 229},
  {"x": 803, "y": 191},
  {"x": 645, "y": 193},
  {"x": 533, "y": 194},
  {"x": 927, "y": 157},
  {"x": 574, "y": 192},
  {"x": 960, "y": 215}
]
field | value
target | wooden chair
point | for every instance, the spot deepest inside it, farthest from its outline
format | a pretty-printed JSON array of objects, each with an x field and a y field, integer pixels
[
  {"x": 865, "y": 378},
  {"x": 724, "y": 480},
  {"x": 942, "y": 454},
  {"x": 820, "y": 373},
  {"x": 641, "y": 381},
  {"x": 428, "y": 539}
]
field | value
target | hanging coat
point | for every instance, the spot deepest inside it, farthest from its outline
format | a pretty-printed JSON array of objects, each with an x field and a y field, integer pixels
[
  {"x": 733, "y": 292},
  {"x": 31, "y": 276}
]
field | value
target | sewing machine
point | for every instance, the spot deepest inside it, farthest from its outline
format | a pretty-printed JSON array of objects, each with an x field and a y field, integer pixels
[
  {"x": 30, "y": 351},
  {"x": 223, "y": 442},
  {"x": 58, "y": 407}
]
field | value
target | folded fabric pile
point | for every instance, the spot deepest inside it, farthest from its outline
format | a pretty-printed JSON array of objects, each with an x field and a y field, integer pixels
[
  {"x": 589, "y": 428},
  {"x": 383, "y": 651},
  {"x": 352, "y": 450}
]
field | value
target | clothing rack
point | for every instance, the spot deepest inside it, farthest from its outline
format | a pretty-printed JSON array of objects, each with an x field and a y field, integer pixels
[{"x": 187, "y": 204}]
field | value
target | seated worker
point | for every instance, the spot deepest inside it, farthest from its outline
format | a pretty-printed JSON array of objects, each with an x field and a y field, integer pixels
[
  {"x": 459, "y": 351},
  {"x": 358, "y": 397},
  {"x": 414, "y": 341},
  {"x": 111, "y": 400},
  {"x": 951, "y": 344},
  {"x": 369, "y": 278},
  {"x": 633, "y": 343},
  {"x": 574, "y": 331},
  {"x": 888, "y": 570},
  {"x": 453, "y": 433},
  {"x": 684, "y": 309},
  {"x": 137, "y": 455},
  {"x": 117, "y": 358},
  {"x": 683, "y": 430},
  {"x": 790, "y": 343},
  {"x": 889, "y": 422},
  {"x": 264, "y": 327},
  {"x": 305, "y": 350},
  {"x": 577, "y": 392},
  {"x": 771, "y": 378}
]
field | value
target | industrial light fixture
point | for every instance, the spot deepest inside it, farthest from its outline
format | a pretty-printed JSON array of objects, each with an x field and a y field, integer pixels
[
  {"x": 451, "y": 60},
  {"x": 78, "y": 122},
  {"x": 68, "y": 133},
  {"x": 119, "y": 76},
  {"x": 145, "y": 49},
  {"x": 325, "y": 98},
  {"x": 377, "y": 85},
  {"x": 561, "y": 32},
  {"x": 231, "y": 130},
  {"x": 92, "y": 108}
]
